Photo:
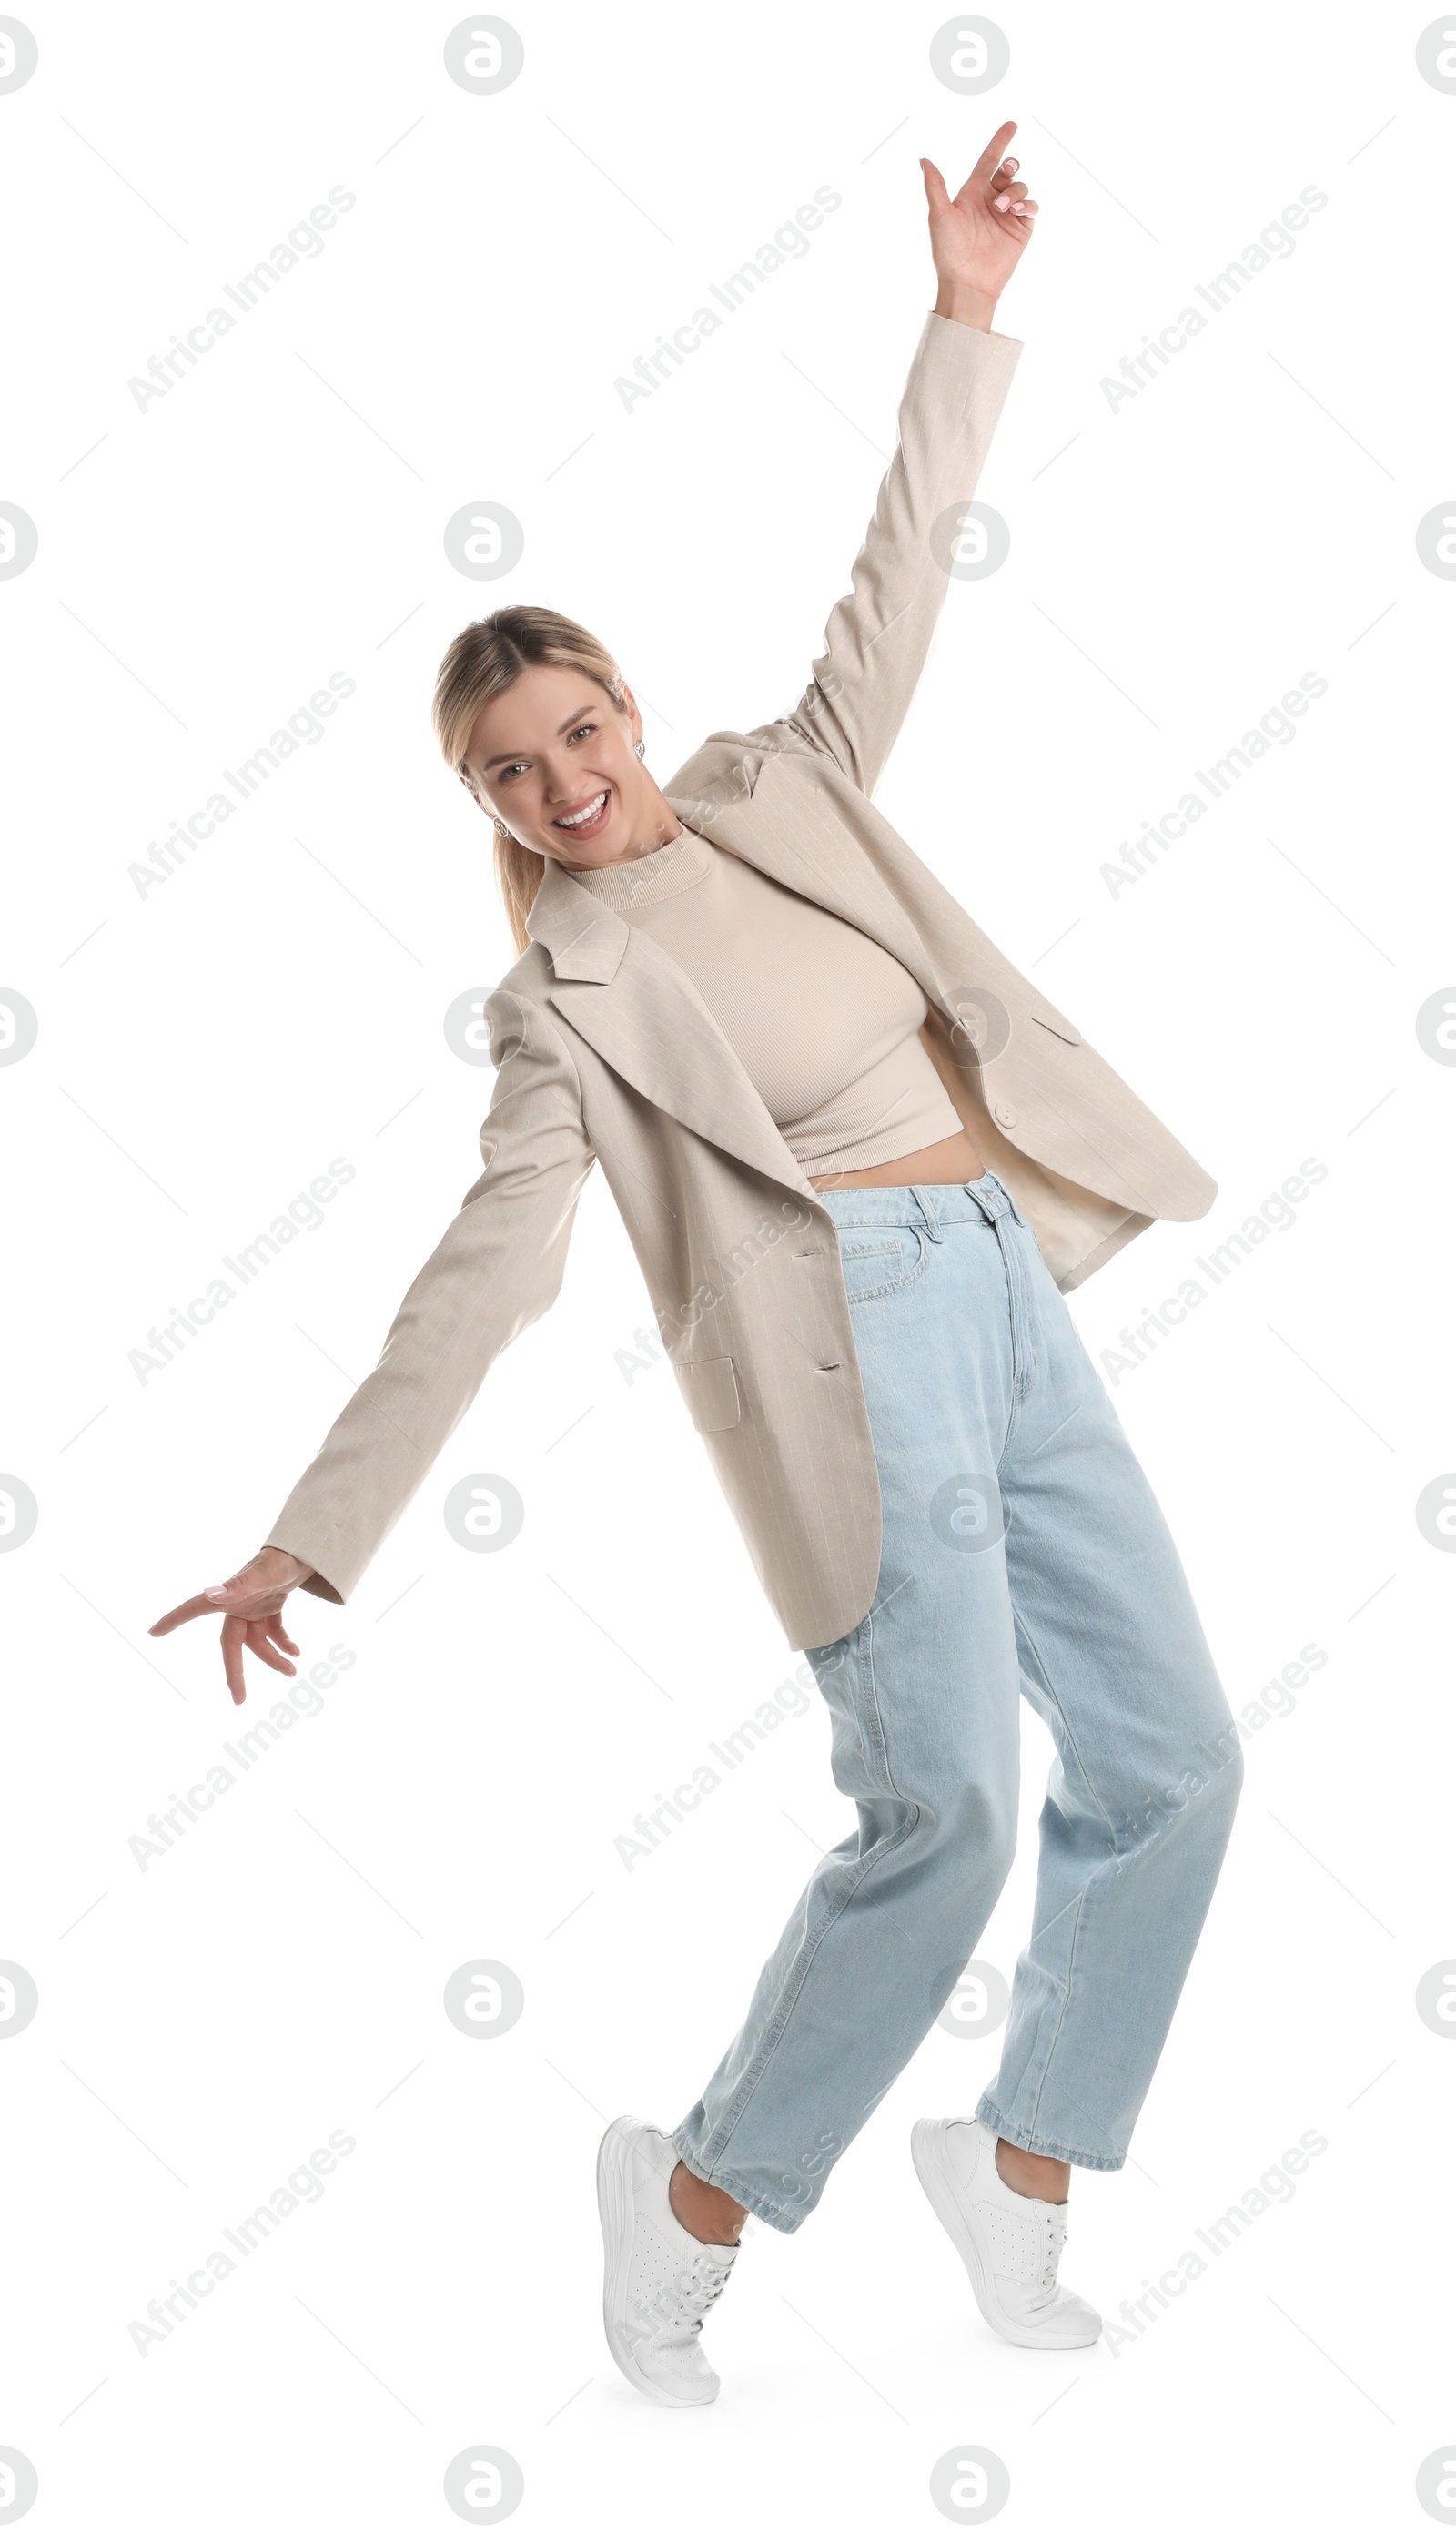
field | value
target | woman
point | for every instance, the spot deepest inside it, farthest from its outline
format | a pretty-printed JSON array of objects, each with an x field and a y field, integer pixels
[{"x": 859, "y": 1157}]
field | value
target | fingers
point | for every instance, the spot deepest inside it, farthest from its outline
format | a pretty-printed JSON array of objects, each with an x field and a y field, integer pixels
[
  {"x": 257, "y": 1589},
  {"x": 264, "y": 1634},
  {"x": 230, "y": 1600},
  {"x": 992, "y": 180},
  {"x": 990, "y": 155},
  {"x": 232, "y": 1650},
  {"x": 252, "y": 1620},
  {"x": 257, "y": 1634},
  {"x": 168, "y": 1623},
  {"x": 260, "y": 1638}
]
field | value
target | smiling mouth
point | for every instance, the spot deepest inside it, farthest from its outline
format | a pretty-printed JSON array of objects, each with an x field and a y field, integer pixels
[{"x": 586, "y": 816}]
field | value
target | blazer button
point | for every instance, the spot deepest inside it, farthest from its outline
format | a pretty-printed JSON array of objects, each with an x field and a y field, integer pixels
[{"x": 1007, "y": 1115}]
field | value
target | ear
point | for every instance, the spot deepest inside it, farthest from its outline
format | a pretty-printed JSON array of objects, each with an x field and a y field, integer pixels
[{"x": 633, "y": 714}]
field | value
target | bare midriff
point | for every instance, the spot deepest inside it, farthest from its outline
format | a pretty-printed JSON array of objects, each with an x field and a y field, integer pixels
[{"x": 949, "y": 1160}]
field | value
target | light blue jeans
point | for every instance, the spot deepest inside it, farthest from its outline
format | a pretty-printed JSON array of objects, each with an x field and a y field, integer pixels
[{"x": 1023, "y": 1552}]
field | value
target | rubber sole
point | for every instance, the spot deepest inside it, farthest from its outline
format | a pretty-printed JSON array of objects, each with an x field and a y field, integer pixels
[
  {"x": 614, "y": 2208},
  {"x": 936, "y": 2178}
]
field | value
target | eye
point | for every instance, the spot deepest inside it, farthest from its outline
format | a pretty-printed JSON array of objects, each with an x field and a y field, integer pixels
[
  {"x": 515, "y": 764},
  {"x": 581, "y": 728}
]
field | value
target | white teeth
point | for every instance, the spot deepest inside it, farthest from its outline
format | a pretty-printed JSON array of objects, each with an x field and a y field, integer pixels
[{"x": 579, "y": 820}]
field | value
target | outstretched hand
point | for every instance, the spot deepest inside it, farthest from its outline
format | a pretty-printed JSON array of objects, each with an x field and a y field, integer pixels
[
  {"x": 250, "y": 1606},
  {"x": 977, "y": 235}
]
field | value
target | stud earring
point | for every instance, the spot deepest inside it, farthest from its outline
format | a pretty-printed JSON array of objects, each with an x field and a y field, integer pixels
[
  {"x": 501, "y": 826},
  {"x": 642, "y": 750}
]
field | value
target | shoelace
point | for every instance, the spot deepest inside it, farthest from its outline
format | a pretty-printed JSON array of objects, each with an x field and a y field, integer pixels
[
  {"x": 705, "y": 2283},
  {"x": 678, "y": 2312},
  {"x": 1045, "y": 2282}
]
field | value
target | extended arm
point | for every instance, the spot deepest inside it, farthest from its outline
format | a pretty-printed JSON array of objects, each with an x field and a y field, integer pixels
[
  {"x": 497, "y": 1268},
  {"x": 879, "y": 634}
]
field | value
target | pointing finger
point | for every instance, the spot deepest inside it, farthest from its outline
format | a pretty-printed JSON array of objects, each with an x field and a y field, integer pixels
[
  {"x": 183, "y": 1614},
  {"x": 990, "y": 155}
]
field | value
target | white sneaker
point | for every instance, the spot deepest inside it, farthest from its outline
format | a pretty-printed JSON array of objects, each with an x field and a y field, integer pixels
[
  {"x": 1010, "y": 2244},
  {"x": 660, "y": 2278}
]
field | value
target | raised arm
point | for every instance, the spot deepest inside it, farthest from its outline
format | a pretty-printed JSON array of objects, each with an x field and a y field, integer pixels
[{"x": 879, "y": 634}]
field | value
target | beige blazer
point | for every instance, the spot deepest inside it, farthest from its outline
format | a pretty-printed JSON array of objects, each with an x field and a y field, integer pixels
[{"x": 606, "y": 1053}]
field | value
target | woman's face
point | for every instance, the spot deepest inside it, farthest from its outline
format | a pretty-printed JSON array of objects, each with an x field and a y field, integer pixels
[{"x": 555, "y": 760}]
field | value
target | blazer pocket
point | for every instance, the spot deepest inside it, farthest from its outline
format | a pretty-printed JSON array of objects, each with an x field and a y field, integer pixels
[
  {"x": 710, "y": 1386},
  {"x": 1048, "y": 1015}
]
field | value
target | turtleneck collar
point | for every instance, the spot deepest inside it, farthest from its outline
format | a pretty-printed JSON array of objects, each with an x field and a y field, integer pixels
[{"x": 660, "y": 876}]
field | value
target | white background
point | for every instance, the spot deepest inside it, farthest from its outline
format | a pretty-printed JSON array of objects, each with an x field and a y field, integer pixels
[{"x": 207, "y": 1048}]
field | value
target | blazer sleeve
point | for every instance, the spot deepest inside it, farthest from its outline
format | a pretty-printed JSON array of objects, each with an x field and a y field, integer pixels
[
  {"x": 879, "y": 634},
  {"x": 497, "y": 1268}
]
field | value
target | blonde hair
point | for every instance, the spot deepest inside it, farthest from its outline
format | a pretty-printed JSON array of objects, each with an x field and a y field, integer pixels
[{"x": 485, "y": 659}]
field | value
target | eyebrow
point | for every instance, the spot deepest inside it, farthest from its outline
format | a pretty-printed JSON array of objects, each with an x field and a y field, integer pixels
[{"x": 500, "y": 757}]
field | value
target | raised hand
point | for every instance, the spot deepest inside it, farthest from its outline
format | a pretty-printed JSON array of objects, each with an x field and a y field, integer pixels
[
  {"x": 977, "y": 235},
  {"x": 250, "y": 1606}
]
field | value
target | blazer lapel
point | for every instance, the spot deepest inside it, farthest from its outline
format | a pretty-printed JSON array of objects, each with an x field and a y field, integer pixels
[{"x": 638, "y": 1008}]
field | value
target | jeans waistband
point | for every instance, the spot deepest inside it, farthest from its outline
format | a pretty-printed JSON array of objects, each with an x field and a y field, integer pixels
[{"x": 930, "y": 1205}]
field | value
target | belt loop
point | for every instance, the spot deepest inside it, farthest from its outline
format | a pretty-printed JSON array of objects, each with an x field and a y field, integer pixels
[
  {"x": 933, "y": 1227},
  {"x": 994, "y": 1204}
]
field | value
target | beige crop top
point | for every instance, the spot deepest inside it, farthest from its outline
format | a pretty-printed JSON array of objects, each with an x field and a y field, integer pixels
[{"x": 826, "y": 1022}]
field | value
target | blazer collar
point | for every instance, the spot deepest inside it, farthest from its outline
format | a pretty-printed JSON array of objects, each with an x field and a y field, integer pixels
[{"x": 585, "y": 939}]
